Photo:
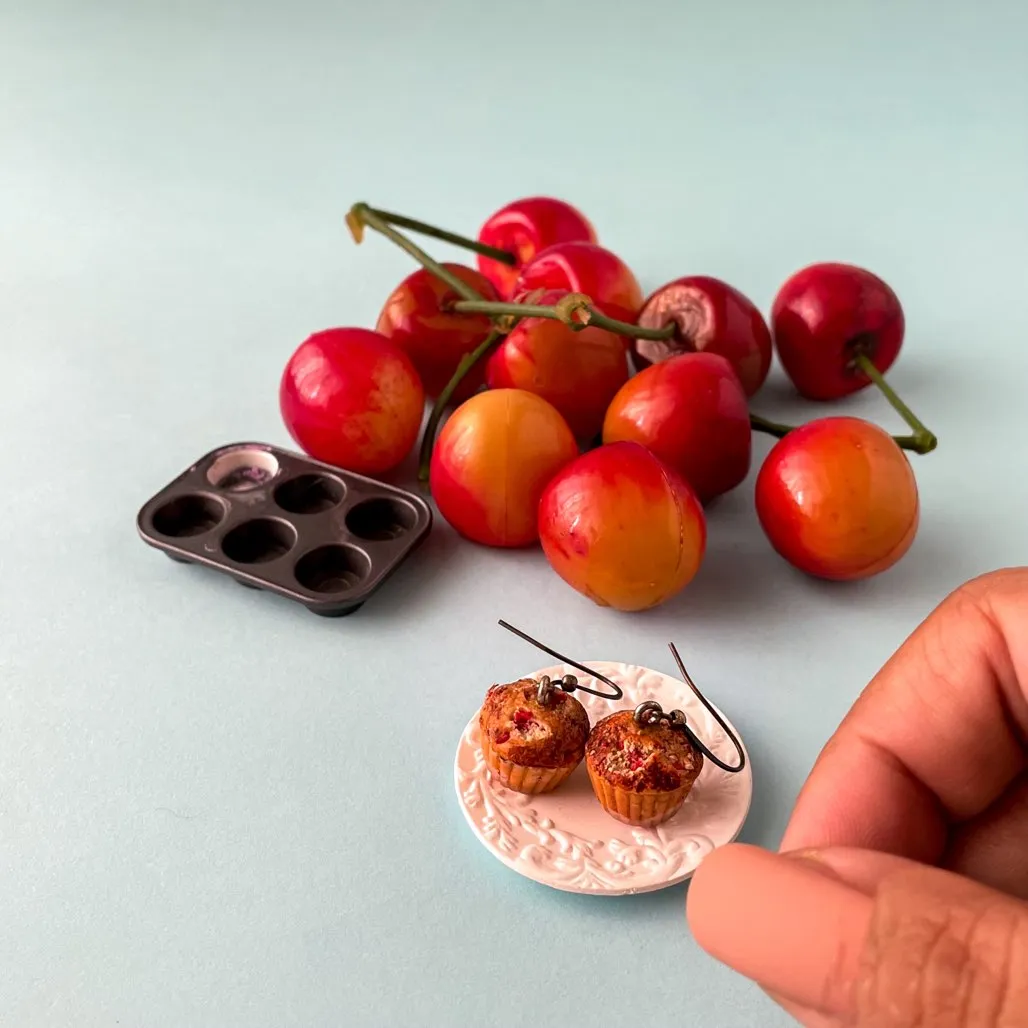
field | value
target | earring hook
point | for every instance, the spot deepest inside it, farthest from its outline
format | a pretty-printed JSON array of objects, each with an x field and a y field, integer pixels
[
  {"x": 570, "y": 686},
  {"x": 650, "y": 713}
]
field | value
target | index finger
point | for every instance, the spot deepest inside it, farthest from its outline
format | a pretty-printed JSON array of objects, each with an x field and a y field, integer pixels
[{"x": 936, "y": 737}]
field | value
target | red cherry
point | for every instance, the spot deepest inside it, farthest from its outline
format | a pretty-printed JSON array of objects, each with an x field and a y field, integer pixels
[
  {"x": 581, "y": 267},
  {"x": 837, "y": 499},
  {"x": 435, "y": 340},
  {"x": 525, "y": 227},
  {"x": 621, "y": 527},
  {"x": 823, "y": 316},
  {"x": 709, "y": 316},
  {"x": 578, "y": 371},
  {"x": 352, "y": 398},
  {"x": 492, "y": 461},
  {"x": 692, "y": 413}
]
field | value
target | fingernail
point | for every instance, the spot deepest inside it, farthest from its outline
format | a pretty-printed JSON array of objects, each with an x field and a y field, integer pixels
[{"x": 788, "y": 922}]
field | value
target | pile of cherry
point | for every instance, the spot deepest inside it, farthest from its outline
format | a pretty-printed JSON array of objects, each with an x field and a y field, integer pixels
[{"x": 552, "y": 439}]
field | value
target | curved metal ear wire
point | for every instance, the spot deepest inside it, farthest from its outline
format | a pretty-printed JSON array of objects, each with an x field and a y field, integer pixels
[
  {"x": 569, "y": 683},
  {"x": 650, "y": 713}
]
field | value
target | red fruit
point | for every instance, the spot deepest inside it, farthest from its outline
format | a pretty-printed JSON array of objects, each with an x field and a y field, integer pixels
[
  {"x": 823, "y": 316},
  {"x": 578, "y": 371},
  {"x": 585, "y": 268},
  {"x": 352, "y": 398},
  {"x": 837, "y": 499},
  {"x": 709, "y": 316},
  {"x": 493, "y": 459},
  {"x": 623, "y": 528},
  {"x": 525, "y": 227},
  {"x": 435, "y": 340},
  {"x": 690, "y": 411}
]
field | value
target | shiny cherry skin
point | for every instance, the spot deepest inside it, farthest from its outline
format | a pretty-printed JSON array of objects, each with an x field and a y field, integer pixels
[
  {"x": 822, "y": 316},
  {"x": 581, "y": 267},
  {"x": 523, "y": 228},
  {"x": 622, "y": 528},
  {"x": 352, "y": 398},
  {"x": 491, "y": 462},
  {"x": 691, "y": 412},
  {"x": 578, "y": 371},
  {"x": 709, "y": 316},
  {"x": 414, "y": 317},
  {"x": 837, "y": 499}
]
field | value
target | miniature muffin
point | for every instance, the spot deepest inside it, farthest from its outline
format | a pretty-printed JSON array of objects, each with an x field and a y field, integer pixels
[
  {"x": 641, "y": 774},
  {"x": 532, "y": 746}
]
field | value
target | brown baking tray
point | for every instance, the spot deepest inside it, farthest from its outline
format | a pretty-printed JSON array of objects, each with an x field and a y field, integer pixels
[{"x": 276, "y": 520}]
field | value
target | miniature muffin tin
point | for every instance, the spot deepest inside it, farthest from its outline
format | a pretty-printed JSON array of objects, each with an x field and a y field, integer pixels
[{"x": 279, "y": 521}]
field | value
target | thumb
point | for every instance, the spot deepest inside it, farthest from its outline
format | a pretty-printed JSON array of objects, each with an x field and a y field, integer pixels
[{"x": 865, "y": 938}]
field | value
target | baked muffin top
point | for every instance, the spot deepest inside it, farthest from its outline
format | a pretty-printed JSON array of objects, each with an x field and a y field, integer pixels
[
  {"x": 527, "y": 732},
  {"x": 641, "y": 757}
]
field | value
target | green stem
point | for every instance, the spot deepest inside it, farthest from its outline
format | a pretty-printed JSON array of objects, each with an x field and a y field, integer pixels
[
  {"x": 922, "y": 441},
  {"x": 568, "y": 311},
  {"x": 362, "y": 215},
  {"x": 759, "y": 424},
  {"x": 402, "y": 221},
  {"x": 779, "y": 431},
  {"x": 467, "y": 362}
]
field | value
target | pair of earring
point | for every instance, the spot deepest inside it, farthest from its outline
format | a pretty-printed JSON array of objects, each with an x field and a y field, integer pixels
[{"x": 642, "y": 763}]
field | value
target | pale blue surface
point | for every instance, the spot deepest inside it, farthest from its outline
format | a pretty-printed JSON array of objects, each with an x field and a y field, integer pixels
[{"x": 204, "y": 818}]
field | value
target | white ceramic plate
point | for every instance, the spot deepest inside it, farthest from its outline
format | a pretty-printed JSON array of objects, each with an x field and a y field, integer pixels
[{"x": 567, "y": 841}]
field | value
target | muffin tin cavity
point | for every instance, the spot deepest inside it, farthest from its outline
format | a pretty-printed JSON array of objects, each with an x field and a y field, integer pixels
[
  {"x": 241, "y": 469},
  {"x": 310, "y": 494},
  {"x": 381, "y": 518},
  {"x": 258, "y": 541},
  {"x": 191, "y": 514},
  {"x": 334, "y": 568},
  {"x": 277, "y": 520}
]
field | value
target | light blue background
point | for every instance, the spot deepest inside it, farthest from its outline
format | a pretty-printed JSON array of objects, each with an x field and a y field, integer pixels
[{"x": 218, "y": 810}]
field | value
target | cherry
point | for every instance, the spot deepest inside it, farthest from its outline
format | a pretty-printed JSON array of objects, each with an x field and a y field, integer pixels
[
  {"x": 709, "y": 316},
  {"x": 491, "y": 462},
  {"x": 622, "y": 527},
  {"x": 415, "y": 318},
  {"x": 523, "y": 228},
  {"x": 837, "y": 499},
  {"x": 827, "y": 315},
  {"x": 578, "y": 371},
  {"x": 581, "y": 267},
  {"x": 691, "y": 411},
  {"x": 352, "y": 398}
]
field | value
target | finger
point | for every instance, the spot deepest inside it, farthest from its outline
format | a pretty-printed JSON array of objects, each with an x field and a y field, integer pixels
[
  {"x": 991, "y": 847},
  {"x": 936, "y": 737},
  {"x": 787, "y": 925},
  {"x": 926, "y": 947},
  {"x": 805, "y": 1015}
]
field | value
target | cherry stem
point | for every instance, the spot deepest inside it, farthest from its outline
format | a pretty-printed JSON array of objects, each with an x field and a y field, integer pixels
[
  {"x": 402, "y": 221},
  {"x": 576, "y": 311},
  {"x": 467, "y": 362},
  {"x": 922, "y": 441},
  {"x": 779, "y": 431},
  {"x": 361, "y": 215}
]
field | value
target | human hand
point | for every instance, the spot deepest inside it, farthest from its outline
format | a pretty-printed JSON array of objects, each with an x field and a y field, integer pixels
[{"x": 898, "y": 896}]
